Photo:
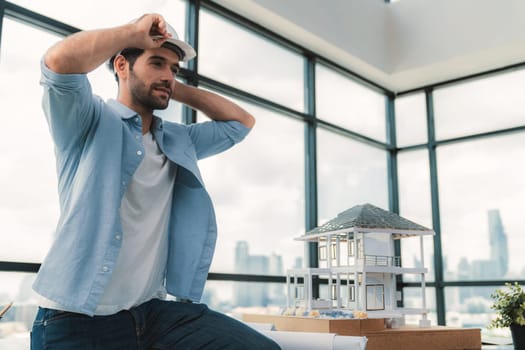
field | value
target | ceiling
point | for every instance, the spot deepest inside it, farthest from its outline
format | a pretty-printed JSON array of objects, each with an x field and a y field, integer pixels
[{"x": 401, "y": 45}]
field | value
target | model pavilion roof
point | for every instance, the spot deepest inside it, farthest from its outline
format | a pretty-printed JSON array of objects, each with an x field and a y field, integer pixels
[{"x": 368, "y": 218}]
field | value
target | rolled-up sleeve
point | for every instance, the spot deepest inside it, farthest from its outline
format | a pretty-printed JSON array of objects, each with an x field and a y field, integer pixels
[
  {"x": 213, "y": 137},
  {"x": 69, "y": 106}
]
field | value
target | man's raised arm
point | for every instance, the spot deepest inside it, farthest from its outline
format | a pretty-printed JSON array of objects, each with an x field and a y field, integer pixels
[
  {"x": 214, "y": 106},
  {"x": 84, "y": 51}
]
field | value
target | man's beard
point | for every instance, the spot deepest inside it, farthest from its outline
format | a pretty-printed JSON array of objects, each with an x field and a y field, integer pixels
[{"x": 143, "y": 95}]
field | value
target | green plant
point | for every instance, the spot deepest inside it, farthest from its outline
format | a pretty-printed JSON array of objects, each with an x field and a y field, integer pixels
[{"x": 509, "y": 303}]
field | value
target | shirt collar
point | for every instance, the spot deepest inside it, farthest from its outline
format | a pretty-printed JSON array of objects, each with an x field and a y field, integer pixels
[
  {"x": 127, "y": 113},
  {"x": 122, "y": 110}
]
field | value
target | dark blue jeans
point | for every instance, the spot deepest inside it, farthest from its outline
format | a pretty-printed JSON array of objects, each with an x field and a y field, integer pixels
[{"x": 155, "y": 325}]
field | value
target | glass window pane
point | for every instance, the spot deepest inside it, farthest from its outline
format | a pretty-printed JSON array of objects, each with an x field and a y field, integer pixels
[
  {"x": 237, "y": 298},
  {"x": 346, "y": 103},
  {"x": 15, "y": 325},
  {"x": 481, "y": 191},
  {"x": 481, "y": 105},
  {"x": 469, "y": 306},
  {"x": 258, "y": 191},
  {"x": 103, "y": 83},
  {"x": 415, "y": 205},
  {"x": 238, "y": 57},
  {"x": 412, "y": 298},
  {"x": 348, "y": 173},
  {"x": 101, "y": 14},
  {"x": 411, "y": 120},
  {"x": 29, "y": 201}
]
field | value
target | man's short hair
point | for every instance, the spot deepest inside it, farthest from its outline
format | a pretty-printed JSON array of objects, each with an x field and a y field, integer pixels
[{"x": 130, "y": 54}]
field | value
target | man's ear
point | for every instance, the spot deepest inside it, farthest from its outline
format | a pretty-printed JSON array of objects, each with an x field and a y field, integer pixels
[{"x": 120, "y": 65}]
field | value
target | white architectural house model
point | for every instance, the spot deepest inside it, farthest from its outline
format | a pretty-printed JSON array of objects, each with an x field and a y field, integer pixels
[{"x": 356, "y": 257}]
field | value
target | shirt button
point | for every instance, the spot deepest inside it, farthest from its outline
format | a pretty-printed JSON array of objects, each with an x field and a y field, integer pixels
[
  {"x": 137, "y": 119},
  {"x": 105, "y": 269},
  {"x": 139, "y": 153},
  {"x": 117, "y": 237},
  {"x": 137, "y": 137}
]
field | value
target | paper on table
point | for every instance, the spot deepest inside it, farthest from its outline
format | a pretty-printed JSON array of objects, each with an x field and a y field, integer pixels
[
  {"x": 260, "y": 326},
  {"x": 348, "y": 342},
  {"x": 301, "y": 340},
  {"x": 315, "y": 341}
]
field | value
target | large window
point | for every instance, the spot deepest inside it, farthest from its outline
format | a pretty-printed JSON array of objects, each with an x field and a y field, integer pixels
[
  {"x": 349, "y": 104},
  {"x": 481, "y": 190},
  {"x": 258, "y": 191},
  {"x": 413, "y": 299},
  {"x": 481, "y": 105},
  {"x": 29, "y": 202},
  {"x": 469, "y": 306},
  {"x": 348, "y": 173},
  {"x": 238, "y": 298},
  {"x": 415, "y": 205},
  {"x": 239, "y": 57},
  {"x": 101, "y": 14},
  {"x": 411, "y": 120},
  {"x": 16, "y": 287}
]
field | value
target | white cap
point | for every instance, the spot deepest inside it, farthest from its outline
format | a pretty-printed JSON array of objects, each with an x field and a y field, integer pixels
[
  {"x": 188, "y": 52},
  {"x": 181, "y": 48}
]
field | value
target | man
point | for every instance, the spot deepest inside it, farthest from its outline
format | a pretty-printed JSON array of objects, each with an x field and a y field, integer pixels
[{"x": 136, "y": 222}]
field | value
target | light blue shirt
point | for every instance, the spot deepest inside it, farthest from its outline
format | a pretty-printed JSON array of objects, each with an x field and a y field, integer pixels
[{"x": 98, "y": 147}]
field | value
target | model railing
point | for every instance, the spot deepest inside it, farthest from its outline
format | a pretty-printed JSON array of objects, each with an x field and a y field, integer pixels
[{"x": 382, "y": 260}]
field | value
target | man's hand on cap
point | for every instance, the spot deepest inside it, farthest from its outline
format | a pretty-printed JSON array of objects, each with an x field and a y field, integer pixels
[{"x": 152, "y": 31}]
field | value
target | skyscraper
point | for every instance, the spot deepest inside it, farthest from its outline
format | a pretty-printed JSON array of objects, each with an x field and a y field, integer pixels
[
  {"x": 242, "y": 252},
  {"x": 498, "y": 244},
  {"x": 257, "y": 293},
  {"x": 250, "y": 293},
  {"x": 496, "y": 266}
]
